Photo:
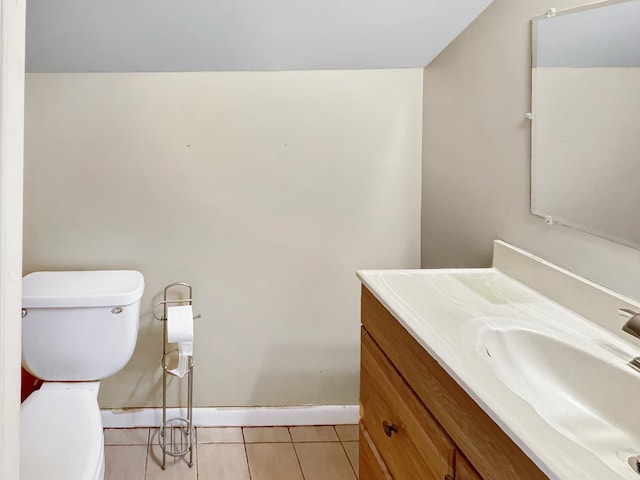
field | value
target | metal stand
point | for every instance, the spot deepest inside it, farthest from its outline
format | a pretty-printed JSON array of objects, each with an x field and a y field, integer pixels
[{"x": 177, "y": 434}]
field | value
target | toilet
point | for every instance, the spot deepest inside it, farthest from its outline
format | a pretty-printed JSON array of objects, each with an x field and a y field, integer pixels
[{"x": 77, "y": 328}]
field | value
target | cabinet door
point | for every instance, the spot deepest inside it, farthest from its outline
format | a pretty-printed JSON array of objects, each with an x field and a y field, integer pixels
[
  {"x": 371, "y": 465},
  {"x": 409, "y": 440},
  {"x": 464, "y": 470}
]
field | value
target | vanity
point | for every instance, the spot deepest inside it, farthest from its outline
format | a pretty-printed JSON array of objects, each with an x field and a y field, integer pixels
[{"x": 519, "y": 371}]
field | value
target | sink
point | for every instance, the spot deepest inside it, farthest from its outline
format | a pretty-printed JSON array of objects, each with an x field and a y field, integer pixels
[{"x": 583, "y": 388}]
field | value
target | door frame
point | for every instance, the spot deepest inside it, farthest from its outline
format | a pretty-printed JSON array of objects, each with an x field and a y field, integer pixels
[{"x": 12, "y": 68}]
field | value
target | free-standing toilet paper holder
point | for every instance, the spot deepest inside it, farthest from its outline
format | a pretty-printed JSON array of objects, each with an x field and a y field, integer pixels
[{"x": 176, "y": 435}]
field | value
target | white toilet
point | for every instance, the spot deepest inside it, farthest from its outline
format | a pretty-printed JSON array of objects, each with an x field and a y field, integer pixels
[{"x": 77, "y": 328}]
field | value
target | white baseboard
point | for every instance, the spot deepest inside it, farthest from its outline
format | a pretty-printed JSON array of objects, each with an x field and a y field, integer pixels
[{"x": 235, "y": 417}]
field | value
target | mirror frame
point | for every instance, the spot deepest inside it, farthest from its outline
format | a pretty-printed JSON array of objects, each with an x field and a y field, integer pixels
[{"x": 549, "y": 219}]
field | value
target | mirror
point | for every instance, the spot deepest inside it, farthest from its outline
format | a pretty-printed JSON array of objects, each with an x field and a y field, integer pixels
[{"x": 585, "y": 140}]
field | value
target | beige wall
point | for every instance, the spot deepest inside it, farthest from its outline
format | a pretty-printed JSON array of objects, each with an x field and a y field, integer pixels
[
  {"x": 266, "y": 191},
  {"x": 476, "y": 178}
]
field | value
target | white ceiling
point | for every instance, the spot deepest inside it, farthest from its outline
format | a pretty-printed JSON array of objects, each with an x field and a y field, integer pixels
[{"x": 201, "y": 35}]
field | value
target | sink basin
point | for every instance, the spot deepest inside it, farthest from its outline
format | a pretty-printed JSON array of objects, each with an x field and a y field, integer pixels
[{"x": 582, "y": 388}]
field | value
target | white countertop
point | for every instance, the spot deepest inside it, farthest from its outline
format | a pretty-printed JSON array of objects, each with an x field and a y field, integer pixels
[{"x": 444, "y": 310}]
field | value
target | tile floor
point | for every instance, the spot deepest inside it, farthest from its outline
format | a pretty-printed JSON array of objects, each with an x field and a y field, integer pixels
[{"x": 234, "y": 453}]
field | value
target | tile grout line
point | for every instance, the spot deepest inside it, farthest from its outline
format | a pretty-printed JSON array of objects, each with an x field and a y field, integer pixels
[
  {"x": 346, "y": 454},
  {"x": 295, "y": 450},
  {"x": 349, "y": 459},
  {"x": 337, "y": 434},
  {"x": 146, "y": 457},
  {"x": 197, "y": 464},
  {"x": 246, "y": 454}
]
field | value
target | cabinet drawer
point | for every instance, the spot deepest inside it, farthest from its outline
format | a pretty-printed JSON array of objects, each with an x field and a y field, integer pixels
[
  {"x": 418, "y": 448},
  {"x": 371, "y": 465}
]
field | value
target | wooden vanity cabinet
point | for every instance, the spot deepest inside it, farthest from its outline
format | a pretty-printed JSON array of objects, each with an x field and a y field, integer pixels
[
  {"x": 409, "y": 440},
  {"x": 417, "y": 423},
  {"x": 464, "y": 470}
]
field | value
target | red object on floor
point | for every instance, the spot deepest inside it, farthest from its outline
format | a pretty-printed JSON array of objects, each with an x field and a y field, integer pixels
[{"x": 29, "y": 384}]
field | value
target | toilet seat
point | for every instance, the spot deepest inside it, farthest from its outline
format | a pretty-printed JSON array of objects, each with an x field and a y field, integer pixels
[{"x": 61, "y": 433}]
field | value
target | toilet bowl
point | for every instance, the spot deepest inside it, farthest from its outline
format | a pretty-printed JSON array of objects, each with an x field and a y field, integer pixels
[
  {"x": 61, "y": 433},
  {"x": 78, "y": 327}
]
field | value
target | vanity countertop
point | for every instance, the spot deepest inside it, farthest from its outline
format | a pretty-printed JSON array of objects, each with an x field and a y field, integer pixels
[{"x": 466, "y": 318}]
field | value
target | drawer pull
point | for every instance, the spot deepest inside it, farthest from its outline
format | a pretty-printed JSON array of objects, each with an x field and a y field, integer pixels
[
  {"x": 389, "y": 429},
  {"x": 448, "y": 477}
]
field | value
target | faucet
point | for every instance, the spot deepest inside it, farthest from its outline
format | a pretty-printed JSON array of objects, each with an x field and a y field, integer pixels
[
  {"x": 633, "y": 327},
  {"x": 633, "y": 324}
]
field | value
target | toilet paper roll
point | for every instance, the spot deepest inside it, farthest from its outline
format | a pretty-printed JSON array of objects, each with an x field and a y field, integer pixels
[{"x": 180, "y": 331}]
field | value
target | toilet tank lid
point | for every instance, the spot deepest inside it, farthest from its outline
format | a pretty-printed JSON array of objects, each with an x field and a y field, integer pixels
[{"x": 100, "y": 288}]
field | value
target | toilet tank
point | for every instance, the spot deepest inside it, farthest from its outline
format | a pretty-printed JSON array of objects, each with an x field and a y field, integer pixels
[{"x": 79, "y": 326}]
